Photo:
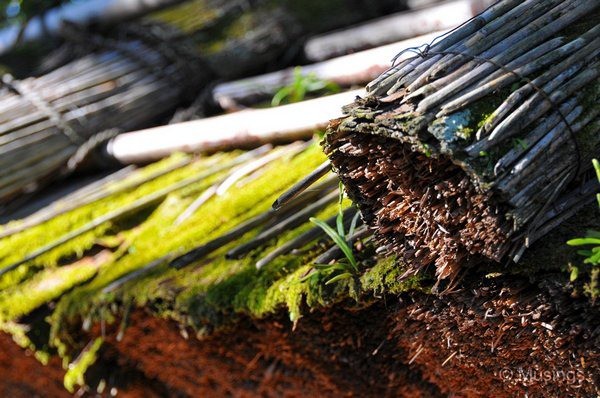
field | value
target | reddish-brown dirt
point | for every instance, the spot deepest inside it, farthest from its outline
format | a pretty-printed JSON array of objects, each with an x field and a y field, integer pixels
[
  {"x": 496, "y": 340},
  {"x": 323, "y": 357}
]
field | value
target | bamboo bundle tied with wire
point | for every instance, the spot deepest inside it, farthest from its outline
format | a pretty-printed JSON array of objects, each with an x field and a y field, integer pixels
[
  {"x": 480, "y": 143},
  {"x": 48, "y": 123}
]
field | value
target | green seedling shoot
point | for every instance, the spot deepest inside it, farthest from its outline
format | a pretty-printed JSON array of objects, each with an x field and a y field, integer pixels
[
  {"x": 349, "y": 266},
  {"x": 301, "y": 85},
  {"x": 591, "y": 242}
]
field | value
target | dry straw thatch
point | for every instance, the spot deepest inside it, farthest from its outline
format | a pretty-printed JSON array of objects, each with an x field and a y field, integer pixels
[
  {"x": 480, "y": 144},
  {"x": 141, "y": 73}
]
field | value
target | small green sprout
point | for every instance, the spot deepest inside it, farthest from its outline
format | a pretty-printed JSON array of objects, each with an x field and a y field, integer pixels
[
  {"x": 592, "y": 237},
  {"x": 349, "y": 266},
  {"x": 427, "y": 150},
  {"x": 301, "y": 85},
  {"x": 592, "y": 255},
  {"x": 590, "y": 248}
]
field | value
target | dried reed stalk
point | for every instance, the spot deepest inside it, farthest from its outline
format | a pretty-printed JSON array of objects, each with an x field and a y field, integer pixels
[{"x": 435, "y": 191}]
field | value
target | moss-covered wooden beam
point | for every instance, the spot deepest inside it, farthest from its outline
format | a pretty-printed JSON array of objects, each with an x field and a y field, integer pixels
[{"x": 102, "y": 276}]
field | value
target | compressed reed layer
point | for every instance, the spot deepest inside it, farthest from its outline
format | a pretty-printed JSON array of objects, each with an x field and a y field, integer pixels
[
  {"x": 481, "y": 143},
  {"x": 423, "y": 207}
]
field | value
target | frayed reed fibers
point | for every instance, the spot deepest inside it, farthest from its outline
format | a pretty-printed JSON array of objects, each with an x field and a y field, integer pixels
[{"x": 475, "y": 147}]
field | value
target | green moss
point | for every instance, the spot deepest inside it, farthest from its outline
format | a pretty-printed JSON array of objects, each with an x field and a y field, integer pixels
[
  {"x": 236, "y": 30},
  {"x": 158, "y": 236},
  {"x": 15, "y": 247},
  {"x": 203, "y": 295},
  {"x": 188, "y": 17},
  {"x": 76, "y": 371},
  {"x": 221, "y": 285},
  {"x": 50, "y": 284},
  {"x": 385, "y": 277}
]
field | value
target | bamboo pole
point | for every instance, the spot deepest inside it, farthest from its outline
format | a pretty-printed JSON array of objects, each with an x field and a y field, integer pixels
[
  {"x": 137, "y": 205},
  {"x": 288, "y": 223},
  {"x": 305, "y": 238},
  {"x": 130, "y": 84},
  {"x": 348, "y": 70},
  {"x": 400, "y": 26},
  {"x": 246, "y": 128},
  {"x": 268, "y": 219}
]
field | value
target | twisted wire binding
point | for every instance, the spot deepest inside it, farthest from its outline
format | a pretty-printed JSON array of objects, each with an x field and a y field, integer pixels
[
  {"x": 427, "y": 46},
  {"x": 88, "y": 147},
  {"x": 425, "y": 51}
]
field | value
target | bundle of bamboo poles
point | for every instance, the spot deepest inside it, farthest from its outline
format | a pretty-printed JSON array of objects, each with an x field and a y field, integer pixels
[
  {"x": 45, "y": 121},
  {"x": 138, "y": 75},
  {"x": 482, "y": 142}
]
